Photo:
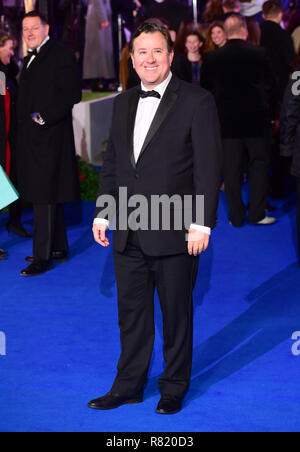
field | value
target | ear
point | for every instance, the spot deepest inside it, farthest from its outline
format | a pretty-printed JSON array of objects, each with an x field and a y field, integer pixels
[{"x": 172, "y": 56}]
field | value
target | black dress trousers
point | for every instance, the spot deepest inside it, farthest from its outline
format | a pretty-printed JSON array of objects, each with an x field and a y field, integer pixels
[
  {"x": 259, "y": 178},
  {"x": 49, "y": 231},
  {"x": 137, "y": 278}
]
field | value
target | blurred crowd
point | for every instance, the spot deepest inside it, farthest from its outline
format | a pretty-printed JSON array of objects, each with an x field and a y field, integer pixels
[
  {"x": 102, "y": 66},
  {"x": 244, "y": 52}
]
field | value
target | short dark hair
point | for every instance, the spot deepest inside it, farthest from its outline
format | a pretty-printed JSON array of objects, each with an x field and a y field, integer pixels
[
  {"x": 195, "y": 33},
  {"x": 272, "y": 8},
  {"x": 152, "y": 26},
  {"x": 43, "y": 18}
]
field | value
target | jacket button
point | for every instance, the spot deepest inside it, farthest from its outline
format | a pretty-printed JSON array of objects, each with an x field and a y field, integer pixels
[{"x": 137, "y": 176}]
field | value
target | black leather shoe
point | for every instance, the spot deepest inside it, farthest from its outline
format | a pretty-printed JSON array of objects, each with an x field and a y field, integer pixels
[
  {"x": 18, "y": 230},
  {"x": 111, "y": 401},
  {"x": 3, "y": 255},
  {"x": 57, "y": 256},
  {"x": 37, "y": 268},
  {"x": 169, "y": 404}
]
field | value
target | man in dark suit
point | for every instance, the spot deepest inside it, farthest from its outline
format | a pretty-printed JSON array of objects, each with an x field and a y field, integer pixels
[
  {"x": 239, "y": 76},
  {"x": 164, "y": 141},
  {"x": 278, "y": 43},
  {"x": 47, "y": 170}
]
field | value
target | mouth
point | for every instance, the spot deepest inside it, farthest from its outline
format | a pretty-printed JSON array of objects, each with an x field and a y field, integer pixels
[{"x": 151, "y": 69}]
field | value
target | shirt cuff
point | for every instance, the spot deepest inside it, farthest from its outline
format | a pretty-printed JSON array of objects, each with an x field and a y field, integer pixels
[
  {"x": 204, "y": 229},
  {"x": 101, "y": 221}
]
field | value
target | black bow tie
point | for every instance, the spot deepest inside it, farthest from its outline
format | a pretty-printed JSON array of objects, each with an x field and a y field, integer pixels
[
  {"x": 32, "y": 53},
  {"x": 145, "y": 94}
]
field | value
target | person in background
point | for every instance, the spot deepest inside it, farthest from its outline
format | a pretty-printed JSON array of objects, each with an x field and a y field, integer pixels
[
  {"x": 213, "y": 10},
  {"x": 252, "y": 8},
  {"x": 254, "y": 31},
  {"x": 46, "y": 161},
  {"x": 72, "y": 14},
  {"x": 280, "y": 50},
  {"x": 241, "y": 80},
  {"x": 8, "y": 128},
  {"x": 186, "y": 27},
  {"x": 216, "y": 37},
  {"x": 230, "y": 7},
  {"x": 290, "y": 137},
  {"x": 278, "y": 44},
  {"x": 188, "y": 66},
  {"x": 170, "y": 10},
  {"x": 98, "y": 60}
]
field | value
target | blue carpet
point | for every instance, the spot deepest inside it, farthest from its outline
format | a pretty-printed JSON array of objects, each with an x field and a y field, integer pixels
[{"x": 62, "y": 335}]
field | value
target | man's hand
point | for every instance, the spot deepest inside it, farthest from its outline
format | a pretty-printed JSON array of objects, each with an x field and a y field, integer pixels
[
  {"x": 99, "y": 231},
  {"x": 197, "y": 242}
]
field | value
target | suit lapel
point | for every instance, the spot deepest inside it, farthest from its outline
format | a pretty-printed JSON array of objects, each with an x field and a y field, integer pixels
[
  {"x": 164, "y": 108},
  {"x": 39, "y": 57},
  {"x": 133, "y": 104}
]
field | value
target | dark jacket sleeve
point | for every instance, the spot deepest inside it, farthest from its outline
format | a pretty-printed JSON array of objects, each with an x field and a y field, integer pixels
[
  {"x": 208, "y": 156},
  {"x": 270, "y": 89},
  {"x": 107, "y": 182},
  {"x": 206, "y": 78},
  {"x": 67, "y": 88}
]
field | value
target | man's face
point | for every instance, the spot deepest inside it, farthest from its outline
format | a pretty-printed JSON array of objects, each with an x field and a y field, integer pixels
[
  {"x": 6, "y": 52},
  {"x": 151, "y": 58},
  {"x": 34, "y": 32}
]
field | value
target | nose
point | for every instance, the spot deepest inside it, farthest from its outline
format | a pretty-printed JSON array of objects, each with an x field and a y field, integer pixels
[{"x": 151, "y": 59}]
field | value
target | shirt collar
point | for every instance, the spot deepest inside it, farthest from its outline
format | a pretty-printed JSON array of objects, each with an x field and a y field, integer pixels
[
  {"x": 161, "y": 88},
  {"x": 43, "y": 43}
]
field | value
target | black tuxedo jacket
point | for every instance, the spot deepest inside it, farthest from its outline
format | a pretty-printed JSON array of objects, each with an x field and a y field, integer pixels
[
  {"x": 280, "y": 48},
  {"x": 46, "y": 161},
  {"x": 240, "y": 77},
  {"x": 181, "y": 156}
]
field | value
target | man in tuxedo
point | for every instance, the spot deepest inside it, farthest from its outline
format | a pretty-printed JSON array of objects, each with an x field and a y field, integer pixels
[
  {"x": 164, "y": 141},
  {"x": 241, "y": 80},
  {"x": 47, "y": 169}
]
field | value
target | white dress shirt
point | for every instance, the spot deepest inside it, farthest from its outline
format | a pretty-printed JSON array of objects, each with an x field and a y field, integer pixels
[
  {"x": 38, "y": 51},
  {"x": 145, "y": 114}
]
